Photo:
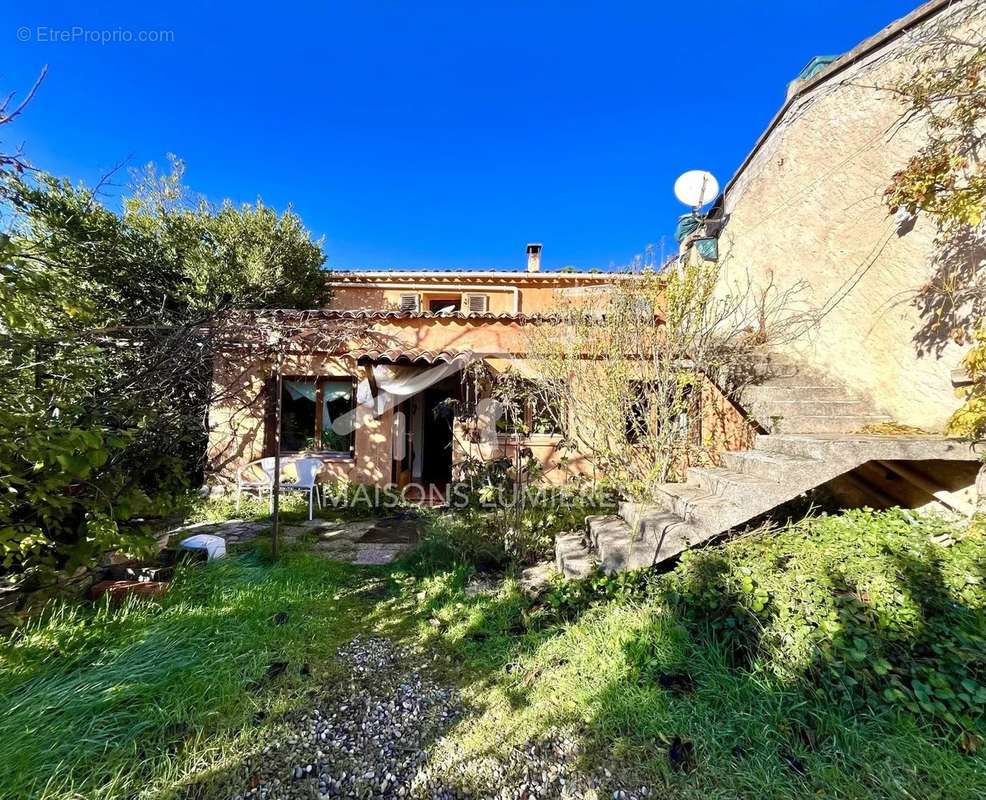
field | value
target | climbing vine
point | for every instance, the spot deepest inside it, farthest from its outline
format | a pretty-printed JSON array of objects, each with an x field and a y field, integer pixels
[{"x": 944, "y": 180}]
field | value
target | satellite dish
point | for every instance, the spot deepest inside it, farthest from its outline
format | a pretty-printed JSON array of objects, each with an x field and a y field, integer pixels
[{"x": 696, "y": 187}]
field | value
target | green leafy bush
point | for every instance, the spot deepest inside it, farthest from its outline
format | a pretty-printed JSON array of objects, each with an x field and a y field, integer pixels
[
  {"x": 106, "y": 355},
  {"x": 882, "y": 608}
]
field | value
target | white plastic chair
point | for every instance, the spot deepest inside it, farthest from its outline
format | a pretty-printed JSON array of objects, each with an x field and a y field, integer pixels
[
  {"x": 257, "y": 476},
  {"x": 307, "y": 471}
]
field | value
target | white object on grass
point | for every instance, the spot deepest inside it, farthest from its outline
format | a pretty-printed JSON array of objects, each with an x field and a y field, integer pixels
[{"x": 214, "y": 546}]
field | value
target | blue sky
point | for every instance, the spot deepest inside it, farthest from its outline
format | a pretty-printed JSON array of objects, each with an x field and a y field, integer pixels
[{"x": 427, "y": 134}]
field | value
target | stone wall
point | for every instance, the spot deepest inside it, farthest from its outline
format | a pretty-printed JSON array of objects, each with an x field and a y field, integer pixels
[{"x": 807, "y": 214}]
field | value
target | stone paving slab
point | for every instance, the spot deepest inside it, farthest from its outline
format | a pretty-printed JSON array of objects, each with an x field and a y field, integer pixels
[
  {"x": 367, "y": 541},
  {"x": 368, "y": 554},
  {"x": 233, "y": 531}
]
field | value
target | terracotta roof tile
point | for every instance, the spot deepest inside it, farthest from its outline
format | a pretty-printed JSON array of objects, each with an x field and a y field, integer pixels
[
  {"x": 399, "y": 355},
  {"x": 393, "y": 314}
]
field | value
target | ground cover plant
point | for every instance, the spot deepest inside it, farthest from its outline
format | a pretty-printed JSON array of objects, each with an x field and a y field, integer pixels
[
  {"x": 496, "y": 530},
  {"x": 842, "y": 657}
]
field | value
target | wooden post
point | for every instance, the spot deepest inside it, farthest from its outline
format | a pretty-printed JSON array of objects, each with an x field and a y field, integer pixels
[{"x": 276, "y": 488}]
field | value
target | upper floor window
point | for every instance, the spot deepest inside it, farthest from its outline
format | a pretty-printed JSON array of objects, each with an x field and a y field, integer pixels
[
  {"x": 477, "y": 303},
  {"x": 444, "y": 305},
  {"x": 410, "y": 301}
]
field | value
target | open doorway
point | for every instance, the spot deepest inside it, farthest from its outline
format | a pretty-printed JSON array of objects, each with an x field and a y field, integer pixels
[{"x": 436, "y": 421}]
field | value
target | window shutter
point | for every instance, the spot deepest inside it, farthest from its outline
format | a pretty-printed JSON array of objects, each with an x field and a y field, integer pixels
[
  {"x": 478, "y": 303},
  {"x": 410, "y": 302}
]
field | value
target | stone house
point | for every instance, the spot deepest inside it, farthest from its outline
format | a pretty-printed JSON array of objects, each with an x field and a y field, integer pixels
[
  {"x": 852, "y": 399},
  {"x": 419, "y": 329},
  {"x": 805, "y": 214}
]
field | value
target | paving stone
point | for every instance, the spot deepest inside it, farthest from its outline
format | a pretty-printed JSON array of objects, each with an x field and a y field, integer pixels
[
  {"x": 378, "y": 553},
  {"x": 536, "y": 579}
]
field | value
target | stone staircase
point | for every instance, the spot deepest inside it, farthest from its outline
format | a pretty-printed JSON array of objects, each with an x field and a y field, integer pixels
[
  {"x": 813, "y": 438},
  {"x": 782, "y": 396}
]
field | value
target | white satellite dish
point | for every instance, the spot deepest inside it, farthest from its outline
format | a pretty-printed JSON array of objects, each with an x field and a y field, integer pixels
[{"x": 696, "y": 187}]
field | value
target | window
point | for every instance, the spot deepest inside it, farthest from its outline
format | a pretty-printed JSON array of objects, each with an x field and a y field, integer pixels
[
  {"x": 640, "y": 417},
  {"x": 309, "y": 406},
  {"x": 444, "y": 305},
  {"x": 545, "y": 415},
  {"x": 533, "y": 412},
  {"x": 477, "y": 303},
  {"x": 636, "y": 421},
  {"x": 410, "y": 302}
]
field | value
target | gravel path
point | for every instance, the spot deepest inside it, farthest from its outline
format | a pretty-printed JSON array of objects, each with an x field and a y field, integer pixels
[{"x": 380, "y": 735}]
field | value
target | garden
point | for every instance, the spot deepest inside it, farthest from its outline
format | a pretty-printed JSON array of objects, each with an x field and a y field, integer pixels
[{"x": 842, "y": 655}]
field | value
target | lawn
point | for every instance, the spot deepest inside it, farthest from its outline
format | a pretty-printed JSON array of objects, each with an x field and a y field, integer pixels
[{"x": 842, "y": 657}]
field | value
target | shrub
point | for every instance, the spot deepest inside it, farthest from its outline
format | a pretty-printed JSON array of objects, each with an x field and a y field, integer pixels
[
  {"x": 881, "y": 608},
  {"x": 875, "y": 606}
]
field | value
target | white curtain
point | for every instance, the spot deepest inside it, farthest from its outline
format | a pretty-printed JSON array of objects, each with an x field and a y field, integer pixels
[
  {"x": 334, "y": 390},
  {"x": 397, "y": 382},
  {"x": 331, "y": 391},
  {"x": 299, "y": 389}
]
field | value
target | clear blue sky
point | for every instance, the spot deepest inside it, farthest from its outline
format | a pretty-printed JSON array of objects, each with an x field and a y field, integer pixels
[{"x": 427, "y": 134}]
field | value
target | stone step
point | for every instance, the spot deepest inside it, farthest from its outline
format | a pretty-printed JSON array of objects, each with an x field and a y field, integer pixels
[
  {"x": 573, "y": 557},
  {"x": 826, "y": 423},
  {"x": 725, "y": 481},
  {"x": 799, "y": 446},
  {"x": 655, "y": 523},
  {"x": 859, "y": 448},
  {"x": 621, "y": 547},
  {"x": 707, "y": 514},
  {"x": 769, "y": 464},
  {"x": 715, "y": 500},
  {"x": 793, "y": 408},
  {"x": 780, "y": 373},
  {"x": 767, "y": 392}
]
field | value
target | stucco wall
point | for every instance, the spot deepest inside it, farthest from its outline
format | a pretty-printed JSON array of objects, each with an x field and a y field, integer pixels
[
  {"x": 808, "y": 212},
  {"x": 238, "y": 422},
  {"x": 537, "y": 296},
  {"x": 239, "y": 419}
]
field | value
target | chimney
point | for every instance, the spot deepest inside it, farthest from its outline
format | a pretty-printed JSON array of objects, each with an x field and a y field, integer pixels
[{"x": 533, "y": 258}]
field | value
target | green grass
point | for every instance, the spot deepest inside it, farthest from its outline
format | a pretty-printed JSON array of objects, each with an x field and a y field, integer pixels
[
  {"x": 149, "y": 699},
  {"x": 782, "y": 703},
  {"x": 741, "y": 724},
  {"x": 117, "y": 702}
]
